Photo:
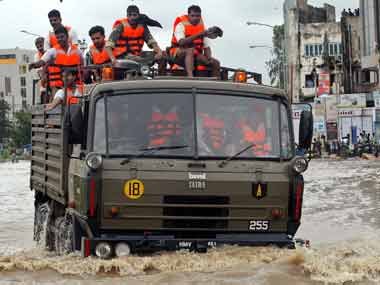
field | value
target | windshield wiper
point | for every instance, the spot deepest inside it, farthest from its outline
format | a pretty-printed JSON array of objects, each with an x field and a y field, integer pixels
[
  {"x": 226, "y": 161},
  {"x": 150, "y": 150}
]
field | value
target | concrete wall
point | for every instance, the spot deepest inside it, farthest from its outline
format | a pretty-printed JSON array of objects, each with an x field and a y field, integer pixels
[
  {"x": 352, "y": 39},
  {"x": 14, "y": 65}
]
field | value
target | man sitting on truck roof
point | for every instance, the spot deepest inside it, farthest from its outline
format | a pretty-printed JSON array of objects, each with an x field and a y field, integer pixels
[
  {"x": 190, "y": 42},
  {"x": 128, "y": 36},
  {"x": 62, "y": 55},
  {"x": 73, "y": 91},
  {"x": 56, "y": 21}
]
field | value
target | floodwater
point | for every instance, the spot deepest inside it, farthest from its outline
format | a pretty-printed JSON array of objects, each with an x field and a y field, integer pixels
[{"x": 341, "y": 217}]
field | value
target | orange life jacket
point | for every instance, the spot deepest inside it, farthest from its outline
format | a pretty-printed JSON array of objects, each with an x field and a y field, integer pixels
[
  {"x": 163, "y": 127},
  {"x": 131, "y": 40},
  {"x": 255, "y": 137},
  {"x": 63, "y": 59},
  {"x": 190, "y": 30},
  {"x": 214, "y": 129},
  {"x": 53, "y": 39},
  {"x": 70, "y": 99},
  {"x": 99, "y": 57}
]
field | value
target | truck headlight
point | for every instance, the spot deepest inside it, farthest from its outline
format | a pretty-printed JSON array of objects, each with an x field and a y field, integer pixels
[
  {"x": 94, "y": 160},
  {"x": 122, "y": 249},
  {"x": 300, "y": 165},
  {"x": 145, "y": 70},
  {"x": 103, "y": 250}
]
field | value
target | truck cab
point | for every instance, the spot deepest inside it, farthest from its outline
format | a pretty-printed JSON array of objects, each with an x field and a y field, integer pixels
[{"x": 166, "y": 164}]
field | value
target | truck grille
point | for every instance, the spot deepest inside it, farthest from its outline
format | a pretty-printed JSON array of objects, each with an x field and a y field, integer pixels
[{"x": 191, "y": 214}]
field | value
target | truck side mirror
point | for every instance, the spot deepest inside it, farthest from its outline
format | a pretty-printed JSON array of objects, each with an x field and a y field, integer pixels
[
  {"x": 306, "y": 130},
  {"x": 74, "y": 124}
]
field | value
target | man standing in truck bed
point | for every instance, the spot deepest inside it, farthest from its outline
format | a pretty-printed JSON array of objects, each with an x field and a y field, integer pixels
[
  {"x": 62, "y": 55},
  {"x": 55, "y": 21}
]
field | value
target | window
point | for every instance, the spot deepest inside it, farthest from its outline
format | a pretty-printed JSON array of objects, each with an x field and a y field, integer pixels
[
  {"x": 316, "y": 49},
  {"x": 332, "y": 80},
  {"x": 22, "y": 69},
  {"x": 24, "y": 105},
  {"x": 100, "y": 133},
  {"x": 320, "y": 49},
  {"x": 8, "y": 85},
  {"x": 309, "y": 81},
  {"x": 25, "y": 58},
  {"x": 137, "y": 122},
  {"x": 23, "y": 81},
  {"x": 228, "y": 124},
  {"x": 225, "y": 125},
  {"x": 311, "y": 50},
  {"x": 23, "y": 92},
  {"x": 335, "y": 49},
  {"x": 331, "y": 49},
  {"x": 307, "y": 53}
]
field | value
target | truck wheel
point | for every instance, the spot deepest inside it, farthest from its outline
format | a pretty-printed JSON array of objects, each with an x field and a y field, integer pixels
[
  {"x": 41, "y": 225},
  {"x": 64, "y": 233}
]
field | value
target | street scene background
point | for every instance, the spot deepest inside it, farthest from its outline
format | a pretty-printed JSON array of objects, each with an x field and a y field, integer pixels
[{"x": 340, "y": 218}]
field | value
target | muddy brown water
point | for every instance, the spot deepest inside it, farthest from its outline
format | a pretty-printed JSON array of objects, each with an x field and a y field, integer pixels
[{"x": 341, "y": 217}]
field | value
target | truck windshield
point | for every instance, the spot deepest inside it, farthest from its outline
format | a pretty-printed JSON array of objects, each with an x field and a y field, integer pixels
[{"x": 211, "y": 126}]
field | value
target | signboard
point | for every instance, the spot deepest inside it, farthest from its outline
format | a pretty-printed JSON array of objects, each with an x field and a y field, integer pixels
[
  {"x": 324, "y": 83},
  {"x": 319, "y": 126},
  {"x": 8, "y": 59},
  {"x": 377, "y": 132},
  {"x": 331, "y": 108},
  {"x": 353, "y": 101},
  {"x": 376, "y": 98},
  {"x": 361, "y": 119}
]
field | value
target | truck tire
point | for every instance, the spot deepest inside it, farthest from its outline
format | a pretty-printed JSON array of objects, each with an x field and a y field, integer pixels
[
  {"x": 64, "y": 235},
  {"x": 41, "y": 220}
]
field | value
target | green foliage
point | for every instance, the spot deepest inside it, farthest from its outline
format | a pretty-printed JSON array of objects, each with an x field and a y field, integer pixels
[
  {"x": 4, "y": 123},
  {"x": 276, "y": 65},
  {"x": 22, "y": 129},
  {"x": 4, "y": 154}
]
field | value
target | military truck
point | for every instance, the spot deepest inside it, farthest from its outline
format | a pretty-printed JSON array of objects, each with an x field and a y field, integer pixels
[{"x": 166, "y": 164}]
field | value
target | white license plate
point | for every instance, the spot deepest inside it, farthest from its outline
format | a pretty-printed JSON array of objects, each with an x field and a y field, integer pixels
[{"x": 259, "y": 225}]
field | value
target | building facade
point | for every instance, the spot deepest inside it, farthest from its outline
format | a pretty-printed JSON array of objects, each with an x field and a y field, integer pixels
[
  {"x": 321, "y": 57},
  {"x": 16, "y": 82},
  {"x": 312, "y": 37},
  {"x": 370, "y": 41}
]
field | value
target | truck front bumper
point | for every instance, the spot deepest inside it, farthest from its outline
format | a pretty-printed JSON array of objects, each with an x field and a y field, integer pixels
[{"x": 140, "y": 243}]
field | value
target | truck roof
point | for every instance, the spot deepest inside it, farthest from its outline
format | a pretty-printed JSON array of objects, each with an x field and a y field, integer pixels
[{"x": 171, "y": 83}]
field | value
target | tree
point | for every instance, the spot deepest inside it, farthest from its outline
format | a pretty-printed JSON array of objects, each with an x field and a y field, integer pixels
[
  {"x": 4, "y": 122},
  {"x": 275, "y": 65},
  {"x": 22, "y": 129}
]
